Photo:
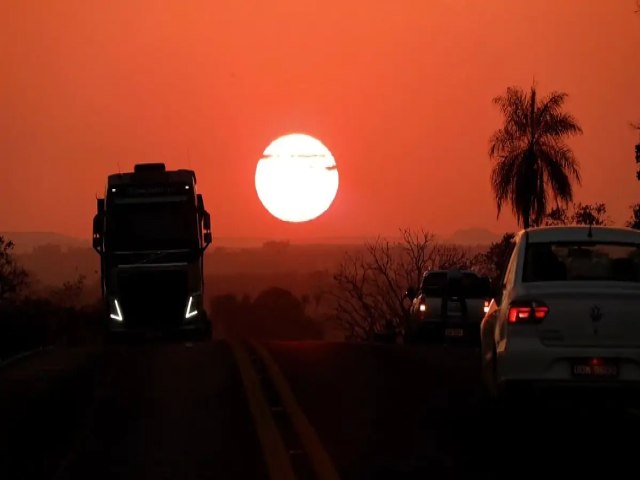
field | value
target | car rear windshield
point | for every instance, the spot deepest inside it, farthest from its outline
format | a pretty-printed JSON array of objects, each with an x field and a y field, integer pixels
[
  {"x": 581, "y": 261},
  {"x": 468, "y": 285}
]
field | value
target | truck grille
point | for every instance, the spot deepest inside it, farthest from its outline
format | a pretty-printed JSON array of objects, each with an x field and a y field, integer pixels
[{"x": 153, "y": 298}]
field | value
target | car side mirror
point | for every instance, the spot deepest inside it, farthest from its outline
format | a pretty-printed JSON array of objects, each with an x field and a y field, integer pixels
[
  {"x": 411, "y": 293},
  {"x": 497, "y": 296}
]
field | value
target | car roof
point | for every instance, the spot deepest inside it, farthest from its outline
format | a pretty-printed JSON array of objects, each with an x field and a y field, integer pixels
[{"x": 578, "y": 233}]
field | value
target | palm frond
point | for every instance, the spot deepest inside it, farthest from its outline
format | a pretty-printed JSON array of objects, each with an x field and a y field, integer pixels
[
  {"x": 503, "y": 142},
  {"x": 513, "y": 106},
  {"x": 558, "y": 176},
  {"x": 557, "y": 152},
  {"x": 552, "y": 121},
  {"x": 557, "y": 124},
  {"x": 502, "y": 177}
]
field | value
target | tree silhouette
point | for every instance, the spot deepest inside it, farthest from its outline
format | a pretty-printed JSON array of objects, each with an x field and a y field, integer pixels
[
  {"x": 557, "y": 216},
  {"x": 71, "y": 293},
  {"x": 591, "y": 214},
  {"x": 493, "y": 262},
  {"x": 13, "y": 277},
  {"x": 634, "y": 222},
  {"x": 582, "y": 214},
  {"x": 532, "y": 160},
  {"x": 369, "y": 295},
  {"x": 279, "y": 314},
  {"x": 275, "y": 314}
]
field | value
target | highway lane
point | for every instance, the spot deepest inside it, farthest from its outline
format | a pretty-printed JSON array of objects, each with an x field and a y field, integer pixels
[
  {"x": 393, "y": 412},
  {"x": 37, "y": 414},
  {"x": 181, "y": 410},
  {"x": 157, "y": 411}
]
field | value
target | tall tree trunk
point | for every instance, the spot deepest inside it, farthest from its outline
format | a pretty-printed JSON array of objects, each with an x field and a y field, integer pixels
[{"x": 530, "y": 179}]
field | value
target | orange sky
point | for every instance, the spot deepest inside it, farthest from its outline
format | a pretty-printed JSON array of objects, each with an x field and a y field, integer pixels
[{"x": 400, "y": 92}]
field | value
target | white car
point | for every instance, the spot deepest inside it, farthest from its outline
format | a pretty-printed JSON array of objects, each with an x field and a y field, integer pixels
[{"x": 569, "y": 312}]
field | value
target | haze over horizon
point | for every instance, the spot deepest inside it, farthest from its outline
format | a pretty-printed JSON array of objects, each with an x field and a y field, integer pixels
[
  {"x": 400, "y": 92},
  {"x": 26, "y": 241}
]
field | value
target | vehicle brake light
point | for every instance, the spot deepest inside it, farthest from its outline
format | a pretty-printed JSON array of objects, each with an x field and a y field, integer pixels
[
  {"x": 533, "y": 312},
  {"x": 486, "y": 306}
]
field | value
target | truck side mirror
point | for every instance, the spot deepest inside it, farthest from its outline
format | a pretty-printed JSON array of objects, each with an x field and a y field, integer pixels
[
  {"x": 206, "y": 225},
  {"x": 200, "y": 204},
  {"x": 97, "y": 232},
  {"x": 98, "y": 225}
]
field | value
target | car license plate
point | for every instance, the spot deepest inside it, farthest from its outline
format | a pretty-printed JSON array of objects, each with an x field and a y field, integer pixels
[
  {"x": 454, "y": 332},
  {"x": 454, "y": 308},
  {"x": 592, "y": 369}
]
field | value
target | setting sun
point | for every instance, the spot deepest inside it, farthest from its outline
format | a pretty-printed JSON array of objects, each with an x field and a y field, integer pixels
[{"x": 297, "y": 178}]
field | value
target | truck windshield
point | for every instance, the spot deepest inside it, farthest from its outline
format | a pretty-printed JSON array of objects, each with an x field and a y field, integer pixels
[{"x": 157, "y": 225}]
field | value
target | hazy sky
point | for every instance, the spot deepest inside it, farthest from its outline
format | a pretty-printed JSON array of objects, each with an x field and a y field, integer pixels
[{"x": 399, "y": 90}]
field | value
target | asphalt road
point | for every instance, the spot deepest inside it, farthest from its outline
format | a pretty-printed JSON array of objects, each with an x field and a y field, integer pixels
[
  {"x": 185, "y": 411},
  {"x": 393, "y": 412},
  {"x": 150, "y": 411}
]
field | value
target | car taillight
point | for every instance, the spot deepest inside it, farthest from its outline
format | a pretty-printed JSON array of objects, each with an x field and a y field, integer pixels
[
  {"x": 486, "y": 306},
  {"x": 530, "y": 312}
]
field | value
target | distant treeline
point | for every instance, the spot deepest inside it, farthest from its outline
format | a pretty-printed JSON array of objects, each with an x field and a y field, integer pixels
[{"x": 275, "y": 313}]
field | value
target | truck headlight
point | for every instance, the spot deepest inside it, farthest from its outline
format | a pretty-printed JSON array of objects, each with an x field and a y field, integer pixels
[
  {"x": 116, "y": 312},
  {"x": 191, "y": 308}
]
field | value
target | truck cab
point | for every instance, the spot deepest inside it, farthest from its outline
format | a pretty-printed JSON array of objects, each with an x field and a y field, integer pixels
[{"x": 151, "y": 230}]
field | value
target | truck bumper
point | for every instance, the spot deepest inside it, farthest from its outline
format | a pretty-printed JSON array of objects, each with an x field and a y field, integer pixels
[{"x": 199, "y": 325}]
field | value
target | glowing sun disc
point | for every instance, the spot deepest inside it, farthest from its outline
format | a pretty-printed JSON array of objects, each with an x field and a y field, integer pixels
[{"x": 296, "y": 178}]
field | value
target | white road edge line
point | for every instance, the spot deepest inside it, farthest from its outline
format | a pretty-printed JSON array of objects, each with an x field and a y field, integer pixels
[{"x": 22, "y": 355}]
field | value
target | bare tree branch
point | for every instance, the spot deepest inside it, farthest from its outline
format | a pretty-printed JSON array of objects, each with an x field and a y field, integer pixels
[{"x": 370, "y": 288}]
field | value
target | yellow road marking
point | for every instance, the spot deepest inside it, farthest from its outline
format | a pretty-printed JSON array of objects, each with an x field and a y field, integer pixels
[
  {"x": 274, "y": 451},
  {"x": 320, "y": 460}
]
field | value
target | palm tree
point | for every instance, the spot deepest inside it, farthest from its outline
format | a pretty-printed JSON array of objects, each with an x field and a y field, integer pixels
[{"x": 531, "y": 158}]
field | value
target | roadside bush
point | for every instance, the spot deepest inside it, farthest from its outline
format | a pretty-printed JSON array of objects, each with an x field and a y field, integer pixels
[
  {"x": 275, "y": 314},
  {"x": 37, "y": 322}
]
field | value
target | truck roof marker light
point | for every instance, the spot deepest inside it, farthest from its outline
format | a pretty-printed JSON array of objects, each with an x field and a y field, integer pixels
[
  {"x": 118, "y": 315},
  {"x": 190, "y": 313}
]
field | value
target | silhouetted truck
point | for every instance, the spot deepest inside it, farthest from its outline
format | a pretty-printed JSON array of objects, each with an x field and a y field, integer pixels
[{"x": 151, "y": 231}]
